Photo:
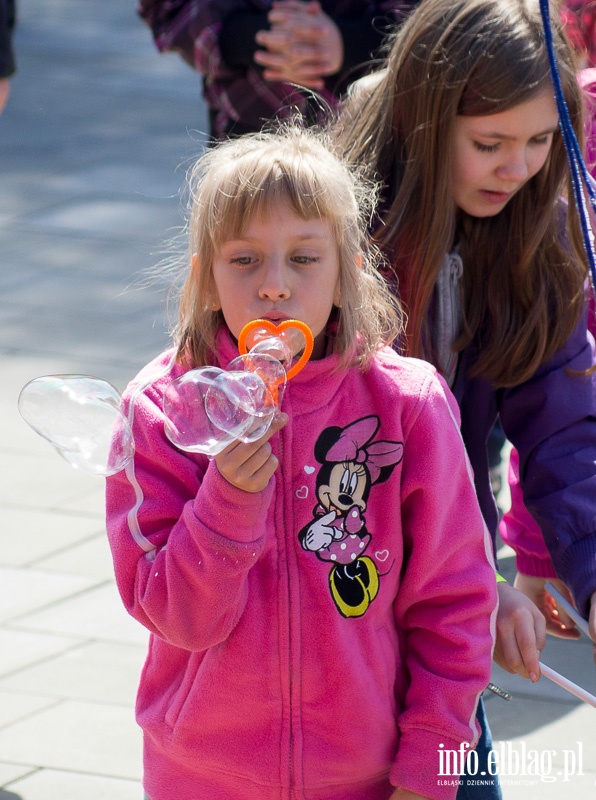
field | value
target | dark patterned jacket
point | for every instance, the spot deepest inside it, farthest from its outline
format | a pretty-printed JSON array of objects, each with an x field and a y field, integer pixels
[
  {"x": 217, "y": 38},
  {"x": 7, "y": 21}
]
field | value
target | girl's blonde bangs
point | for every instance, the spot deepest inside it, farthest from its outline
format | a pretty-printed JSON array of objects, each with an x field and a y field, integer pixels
[{"x": 255, "y": 189}]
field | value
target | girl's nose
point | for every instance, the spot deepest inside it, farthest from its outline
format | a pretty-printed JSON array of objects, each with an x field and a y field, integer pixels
[
  {"x": 514, "y": 167},
  {"x": 274, "y": 286}
]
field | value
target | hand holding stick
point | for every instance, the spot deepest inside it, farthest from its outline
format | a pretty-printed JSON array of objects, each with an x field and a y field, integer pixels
[{"x": 581, "y": 623}]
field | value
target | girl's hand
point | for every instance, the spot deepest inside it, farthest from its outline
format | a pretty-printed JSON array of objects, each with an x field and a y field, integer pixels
[
  {"x": 521, "y": 633},
  {"x": 558, "y": 623},
  {"x": 250, "y": 466},
  {"x": 406, "y": 794}
]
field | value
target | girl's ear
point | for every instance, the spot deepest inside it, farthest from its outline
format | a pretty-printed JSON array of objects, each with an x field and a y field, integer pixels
[
  {"x": 212, "y": 297},
  {"x": 337, "y": 294}
]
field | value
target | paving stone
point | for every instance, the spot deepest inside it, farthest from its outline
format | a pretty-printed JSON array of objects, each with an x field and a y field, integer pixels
[
  {"x": 97, "y": 672},
  {"x": 10, "y": 773},
  {"x": 17, "y": 706},
  {"x": 113, "y": 217},
  {"x": 95, "y": 614},
  {"x": 41, "y": 481},
  {"x": 77, "y": 736},
  {"x": 47, "y": 783},
  {"x": 549, "y": 751},
  {"x": 29, "y": 536},
  {"x": 19, "y": 649},
  {"x": 91, "y": 558},
  {"x": 23, "y": 592}
]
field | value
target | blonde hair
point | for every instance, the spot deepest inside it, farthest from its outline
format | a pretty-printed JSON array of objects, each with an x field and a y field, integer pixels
[
  {"x": 250, "y": 176},
  {"x": 524, "y": 268}
]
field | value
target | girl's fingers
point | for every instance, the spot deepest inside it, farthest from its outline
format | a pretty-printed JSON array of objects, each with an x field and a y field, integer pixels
[
  {"x": 249, "y": 466},
  {"x": 251, "y": 474},
  {"x": 521, "y": 633}
]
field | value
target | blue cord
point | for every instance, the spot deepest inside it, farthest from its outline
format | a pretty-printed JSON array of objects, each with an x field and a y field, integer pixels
[{"x": 579, "y": 173}]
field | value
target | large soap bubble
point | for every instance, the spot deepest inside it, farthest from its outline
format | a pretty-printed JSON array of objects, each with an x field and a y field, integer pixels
[{"x": 81, "y": 417}]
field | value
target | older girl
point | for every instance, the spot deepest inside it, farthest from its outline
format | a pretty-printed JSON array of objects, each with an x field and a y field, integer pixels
[{"x": 462, "y": 128}]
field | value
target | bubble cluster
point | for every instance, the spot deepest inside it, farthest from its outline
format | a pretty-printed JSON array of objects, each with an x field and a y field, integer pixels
[{"x": 205, "y": 409}]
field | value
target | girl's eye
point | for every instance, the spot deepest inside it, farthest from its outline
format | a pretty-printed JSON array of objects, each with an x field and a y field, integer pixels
[
  {"x": 304, "y": 260},
  {"x": 541, "y": 139},
  {"x": 486, "y": 148},
  {"x": 242, "y": 261}
]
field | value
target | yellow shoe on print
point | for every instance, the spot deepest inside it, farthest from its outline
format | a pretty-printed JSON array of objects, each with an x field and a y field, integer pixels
[{"x": 354, "y": 586}]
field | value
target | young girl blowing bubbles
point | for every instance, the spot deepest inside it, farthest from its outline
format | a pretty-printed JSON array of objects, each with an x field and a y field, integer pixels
[{"x": 320, "y": 601}]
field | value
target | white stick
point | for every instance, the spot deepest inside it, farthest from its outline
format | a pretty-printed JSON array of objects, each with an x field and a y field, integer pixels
[
  {"x": 565, "y": 683},
  {"x": 581, "y": 623}
]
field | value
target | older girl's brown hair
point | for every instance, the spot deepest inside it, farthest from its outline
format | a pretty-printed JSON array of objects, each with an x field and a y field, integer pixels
[
  {"x": 251, "y": 176},
  {"x": 524, "y": 269}
]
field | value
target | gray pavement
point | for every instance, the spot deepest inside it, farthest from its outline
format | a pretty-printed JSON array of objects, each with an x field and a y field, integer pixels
[{"x": 93, "y": 148}]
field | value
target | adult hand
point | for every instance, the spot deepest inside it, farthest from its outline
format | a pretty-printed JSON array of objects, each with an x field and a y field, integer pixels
[
  {"x": 303, "y": 45},
  {"x": 558, "y": 622},
  {"x": 521, "y": 633},
  {"x": 250, "y": 466},
  {"x": 4, "y": 92}
]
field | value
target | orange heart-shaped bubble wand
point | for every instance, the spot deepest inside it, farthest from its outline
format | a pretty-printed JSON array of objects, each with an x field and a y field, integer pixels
[{"x": 276, "y": 330}]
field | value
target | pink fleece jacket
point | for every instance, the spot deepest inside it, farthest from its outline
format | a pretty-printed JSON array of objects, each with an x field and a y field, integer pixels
[{"x": 327, "y": 637}]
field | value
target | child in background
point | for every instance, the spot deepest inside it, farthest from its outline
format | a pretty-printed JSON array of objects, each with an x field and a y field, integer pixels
[
  {"x": 321, "y": 601},
  {"x": 579, "y": 19},
  {"x": 462, "y": 130}
]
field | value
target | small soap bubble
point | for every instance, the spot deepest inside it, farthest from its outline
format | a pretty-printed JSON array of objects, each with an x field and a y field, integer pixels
[
  {"x": 82, "y": 418},
  {"x": 268, "y": 368},
  {"x": 257, "y": 335},
  {"x": 294, "y": 339},
  {"x": 276, "y": 348},
  {"x": 240, "y": 403},
  {"x": 187, "y": 424}
]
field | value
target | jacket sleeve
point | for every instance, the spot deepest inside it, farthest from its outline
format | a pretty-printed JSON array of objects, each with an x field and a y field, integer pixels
[
  {"x": 446, "y": 604},
  {"x": 183, "y": 539},
  {"x": 551, "y": 421},
  {"x": 192, "y": 29},
  {"x": 520, "y": 531},
  {"x": 7, "y": 22}
]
